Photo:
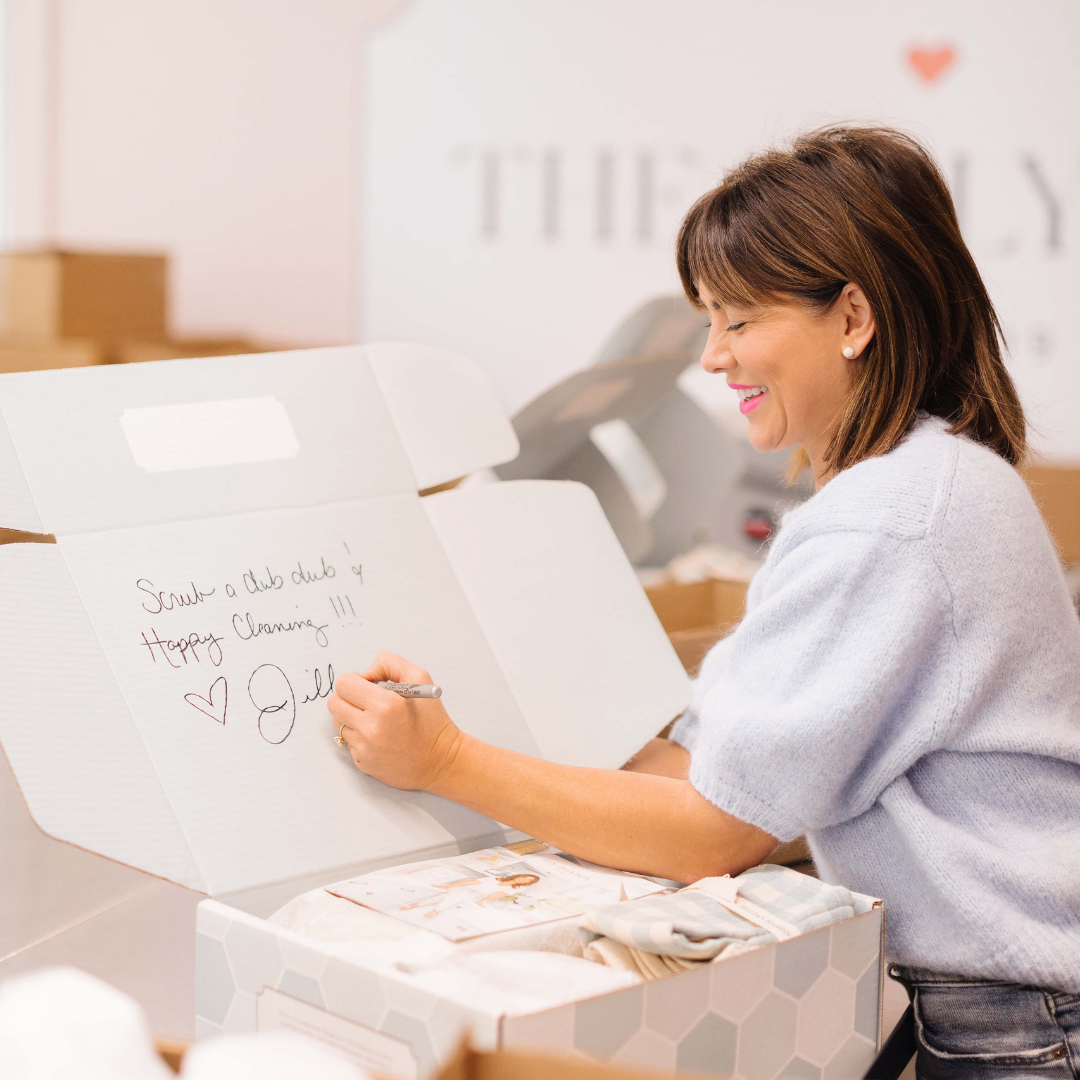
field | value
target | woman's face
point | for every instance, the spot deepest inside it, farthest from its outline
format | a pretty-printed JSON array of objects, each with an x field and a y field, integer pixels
[{"x": 786, "y": 363}]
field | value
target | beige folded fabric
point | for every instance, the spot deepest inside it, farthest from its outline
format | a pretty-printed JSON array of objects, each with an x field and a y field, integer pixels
[{"x": 648, "y": 965}]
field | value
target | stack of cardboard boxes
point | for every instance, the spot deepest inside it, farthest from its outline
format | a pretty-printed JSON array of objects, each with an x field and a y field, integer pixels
[
  {"x": 1056, "y": 489},
  {"x": 697, "y": 615},
  {"x": 73, "y": 309}
]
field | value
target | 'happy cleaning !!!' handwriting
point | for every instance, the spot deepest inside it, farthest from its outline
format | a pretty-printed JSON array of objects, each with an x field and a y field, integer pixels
[
  {"x": 258, "y": 629},
  {"x": 187, "y": 647}
]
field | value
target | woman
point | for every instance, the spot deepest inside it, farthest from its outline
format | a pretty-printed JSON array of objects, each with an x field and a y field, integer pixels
[{"x": 905, "y": 686}]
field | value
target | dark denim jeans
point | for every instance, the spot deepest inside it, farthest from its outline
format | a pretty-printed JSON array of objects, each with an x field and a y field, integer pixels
[{"x": 968, "y": 1030}]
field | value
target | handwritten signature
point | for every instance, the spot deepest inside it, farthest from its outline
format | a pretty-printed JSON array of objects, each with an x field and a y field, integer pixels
[
  {"x": 321, "y": 692},
  {"x": 268, "y": 683}
]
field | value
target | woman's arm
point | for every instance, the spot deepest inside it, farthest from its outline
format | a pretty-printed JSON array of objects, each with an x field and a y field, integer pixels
[{"x": 653, "y": 824}]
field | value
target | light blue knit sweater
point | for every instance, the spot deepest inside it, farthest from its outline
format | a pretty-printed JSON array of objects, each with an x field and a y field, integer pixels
[{"x": 905, "y": 688}]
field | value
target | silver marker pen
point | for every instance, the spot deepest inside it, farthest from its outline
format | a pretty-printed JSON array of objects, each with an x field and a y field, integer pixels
[{"x": 407, "y": 689}]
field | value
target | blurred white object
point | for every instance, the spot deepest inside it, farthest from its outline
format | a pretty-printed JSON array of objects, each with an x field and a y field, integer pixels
[
  {"x": 271, "y": 1056},
  {"x": 62, "y": 1024},
  {"x": 711, "y": 561}
]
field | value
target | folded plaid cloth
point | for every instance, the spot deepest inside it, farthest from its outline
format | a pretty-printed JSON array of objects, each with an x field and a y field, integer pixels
[{"x": 711, "y": 919}]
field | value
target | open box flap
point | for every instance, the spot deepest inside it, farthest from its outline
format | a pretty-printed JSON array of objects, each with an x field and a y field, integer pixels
[
  {"x": 446, "y": 411},
  {"x": 595, "y": 686},
  {"x": 85, "y": 450},
  {"x": 17, "y": 509},
  {"x": 140, "y": 444},
  {"x": 67, "y": 731}
]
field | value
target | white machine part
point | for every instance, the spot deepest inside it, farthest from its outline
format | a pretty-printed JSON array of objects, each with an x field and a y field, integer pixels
[{"x": 668, "y": 474}]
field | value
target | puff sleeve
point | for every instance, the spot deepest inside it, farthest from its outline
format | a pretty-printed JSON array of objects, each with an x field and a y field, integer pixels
[{"x": 832, "y": 686}]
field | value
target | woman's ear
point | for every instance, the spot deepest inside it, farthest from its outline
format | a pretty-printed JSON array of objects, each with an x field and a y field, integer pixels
[{"x": 857, "y": 321}]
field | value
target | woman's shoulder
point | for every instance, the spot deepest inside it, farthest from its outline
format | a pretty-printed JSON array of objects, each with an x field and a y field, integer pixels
[{"x": 924, "y": 482}]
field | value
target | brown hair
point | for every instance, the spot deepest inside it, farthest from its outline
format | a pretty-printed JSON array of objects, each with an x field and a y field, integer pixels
[{"x": 866, "y": 205}]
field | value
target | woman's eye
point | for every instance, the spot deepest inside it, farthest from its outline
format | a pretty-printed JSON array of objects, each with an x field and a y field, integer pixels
[{"x": 735, "y": 326}]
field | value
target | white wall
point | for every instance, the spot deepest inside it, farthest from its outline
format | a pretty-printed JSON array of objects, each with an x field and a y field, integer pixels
[
  {"x": 223, "y": 131},
  {"x": 528, "y": 163},
  {"x": 521, "y": 167}
]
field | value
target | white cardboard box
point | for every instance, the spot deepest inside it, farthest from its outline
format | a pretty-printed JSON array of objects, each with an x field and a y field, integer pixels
[{"x": 231, "y": 530}]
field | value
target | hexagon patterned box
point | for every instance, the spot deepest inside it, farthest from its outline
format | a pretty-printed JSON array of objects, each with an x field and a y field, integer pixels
[{"x": 806, "y": 1008}]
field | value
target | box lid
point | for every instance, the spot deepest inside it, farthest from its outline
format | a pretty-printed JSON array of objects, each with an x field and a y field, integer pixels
[
  {"x": 228, "y": 530},
  {"x": 432, "y": 417}
]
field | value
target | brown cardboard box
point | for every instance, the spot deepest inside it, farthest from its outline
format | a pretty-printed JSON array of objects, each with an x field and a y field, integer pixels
[
  {"x": 469, "y": 1064},
  {"x": 48, "y": 295},
  {"x": 1056, "y": 489},
  {"x": 696, "y": 616},
  {"x": 38, "y": 356},
  {"x": 138, "y": 352}
]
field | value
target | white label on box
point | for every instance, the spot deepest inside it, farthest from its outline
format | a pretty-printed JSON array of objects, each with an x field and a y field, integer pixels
[
  {"x": 196, "y": 435},
  {"x": 370, "y": 1050}
]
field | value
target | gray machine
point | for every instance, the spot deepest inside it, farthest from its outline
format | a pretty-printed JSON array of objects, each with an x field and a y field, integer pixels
[{"x": 668, "y": 476}]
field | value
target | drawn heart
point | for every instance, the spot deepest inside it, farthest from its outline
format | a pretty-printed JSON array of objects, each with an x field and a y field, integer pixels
[
  {"x": 931, "y": 64},
  {"x": 206, "y": 705}
]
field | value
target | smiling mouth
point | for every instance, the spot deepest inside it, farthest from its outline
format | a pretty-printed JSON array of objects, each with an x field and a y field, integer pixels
[{"x": 749, "y": 397}]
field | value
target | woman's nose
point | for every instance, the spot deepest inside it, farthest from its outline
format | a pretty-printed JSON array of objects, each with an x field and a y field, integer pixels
[{"x": 716, "y": 359}]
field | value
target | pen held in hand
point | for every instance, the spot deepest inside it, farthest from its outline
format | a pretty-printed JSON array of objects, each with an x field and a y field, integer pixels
[{"x": 419, "y": 690}]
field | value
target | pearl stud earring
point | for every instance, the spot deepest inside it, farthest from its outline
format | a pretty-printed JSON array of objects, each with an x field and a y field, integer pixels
[{"x": 849, "y": 352}]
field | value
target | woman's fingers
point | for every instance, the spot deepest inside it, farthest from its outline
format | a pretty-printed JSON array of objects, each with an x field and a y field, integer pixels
[
  {"x": 391, "y": 668},
  {"x": 359, "y": 691},
  {"x": 341, "y": 712}
]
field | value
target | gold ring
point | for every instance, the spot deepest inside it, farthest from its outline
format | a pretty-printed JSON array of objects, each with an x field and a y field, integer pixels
[{"x": 339, "y": 738}]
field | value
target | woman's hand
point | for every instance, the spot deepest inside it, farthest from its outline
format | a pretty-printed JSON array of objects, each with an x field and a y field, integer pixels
[{"x": 404, "y": 742}]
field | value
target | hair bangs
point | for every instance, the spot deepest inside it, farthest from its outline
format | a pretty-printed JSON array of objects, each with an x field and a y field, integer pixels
[{"x": 711, "y": 252}]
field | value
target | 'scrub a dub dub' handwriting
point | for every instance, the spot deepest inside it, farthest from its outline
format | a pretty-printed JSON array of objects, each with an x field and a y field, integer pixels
[
  {"x": 302, "y": 576},
  {"x": 156, "y": 601},
  {"x": 256, "y": 584}
]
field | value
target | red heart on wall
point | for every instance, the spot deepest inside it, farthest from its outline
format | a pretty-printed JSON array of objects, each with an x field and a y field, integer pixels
[{"x": 931, "y": 64}]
